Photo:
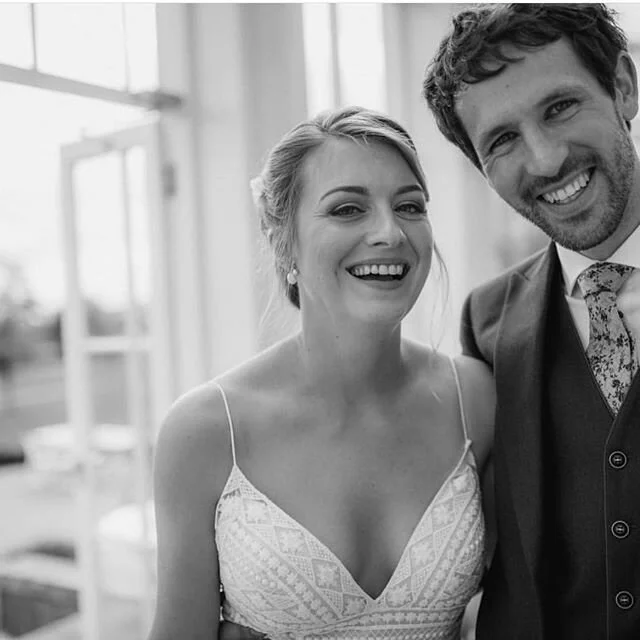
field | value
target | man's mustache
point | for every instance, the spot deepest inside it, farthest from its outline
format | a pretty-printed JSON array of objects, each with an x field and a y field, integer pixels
[{"x": 570, "y": 166}]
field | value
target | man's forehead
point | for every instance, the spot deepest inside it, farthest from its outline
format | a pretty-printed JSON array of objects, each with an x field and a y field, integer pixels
[{"x": 522, "y": 84}]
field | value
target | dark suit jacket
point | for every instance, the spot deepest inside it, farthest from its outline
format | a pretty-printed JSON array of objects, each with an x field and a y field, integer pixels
[{"x": 503, "y": 324}]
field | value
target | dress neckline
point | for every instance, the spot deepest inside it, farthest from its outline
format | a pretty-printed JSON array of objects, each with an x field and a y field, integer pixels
[{"x": 369, "y": 598}]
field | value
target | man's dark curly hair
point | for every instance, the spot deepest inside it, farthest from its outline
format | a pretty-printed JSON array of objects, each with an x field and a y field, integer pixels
[{"x": 473, "y": 51}]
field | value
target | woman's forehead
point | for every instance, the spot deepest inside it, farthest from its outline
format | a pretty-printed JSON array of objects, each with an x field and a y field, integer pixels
[{"x": 340, "y": 160}]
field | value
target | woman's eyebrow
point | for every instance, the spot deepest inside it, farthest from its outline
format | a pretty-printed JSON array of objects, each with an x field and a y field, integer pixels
[
  {"x": 348, "y": 188},
  {"x": 364, "y": 191}
]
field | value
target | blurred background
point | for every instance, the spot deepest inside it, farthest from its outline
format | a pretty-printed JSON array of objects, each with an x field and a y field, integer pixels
[{"x": 131, "y": 266}]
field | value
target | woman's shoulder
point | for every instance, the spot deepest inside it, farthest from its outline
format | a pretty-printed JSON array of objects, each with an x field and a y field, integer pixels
[
  {"x": 474, "y": 388},
  {"x": 478, "y": 376},
  {"x": 477, "y": 388},
  {"x": 194, "y": 434},
  {"x": 198, "y": 411},
  {"x": 439, "y": 365},
  {"x": 204, "y": 416}
]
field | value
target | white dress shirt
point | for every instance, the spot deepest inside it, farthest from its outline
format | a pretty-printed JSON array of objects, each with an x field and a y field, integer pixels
[{"x": 574, "y": 263}]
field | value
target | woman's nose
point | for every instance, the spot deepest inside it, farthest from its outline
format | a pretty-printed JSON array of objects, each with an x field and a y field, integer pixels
[{"x": 385, "y": 228}]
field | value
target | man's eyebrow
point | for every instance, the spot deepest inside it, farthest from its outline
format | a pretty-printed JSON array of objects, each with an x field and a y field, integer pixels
[
  {"x": 363, "y": 191},
  {"x": 558, "y": 94}
]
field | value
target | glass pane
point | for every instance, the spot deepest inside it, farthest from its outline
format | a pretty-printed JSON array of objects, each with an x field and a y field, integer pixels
[
  {"x": 108, "y": 387},
  {"x": 361, "y": 47},
  {"x": 16, "y": 46},
  {"x": 101, "y": 242},
  {"x": 118, "y": 525},
  {"x": 135, "y": 164},
  {"x": 140, "y": 26},
  {"x": 41, "y": 493},
  {"x": 82, "y": 41},
  {"x": 34, "y": 125}
]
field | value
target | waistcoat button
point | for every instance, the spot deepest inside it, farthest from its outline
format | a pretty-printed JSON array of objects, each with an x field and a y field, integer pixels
[
  {"x": 624, "y": 600},
  {"x": 620, "y": 529},
  {"x": 617, "y": 459}
]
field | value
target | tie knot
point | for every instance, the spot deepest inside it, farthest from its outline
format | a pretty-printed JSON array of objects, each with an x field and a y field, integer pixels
[{"x": 603, "y": 276}]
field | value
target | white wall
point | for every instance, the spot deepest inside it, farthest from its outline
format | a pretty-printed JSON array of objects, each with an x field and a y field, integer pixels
[
  {"x": 187, "y": 272},
  {"x": 248, "y": 63}
]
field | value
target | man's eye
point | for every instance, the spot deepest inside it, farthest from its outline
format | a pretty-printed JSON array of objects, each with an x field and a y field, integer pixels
[
  {"x": 558, "y": 107},
  {"x": 502, "y": 140}
]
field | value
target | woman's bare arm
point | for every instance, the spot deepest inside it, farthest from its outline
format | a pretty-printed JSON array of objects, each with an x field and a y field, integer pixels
[{"x": 192, "y": 462}]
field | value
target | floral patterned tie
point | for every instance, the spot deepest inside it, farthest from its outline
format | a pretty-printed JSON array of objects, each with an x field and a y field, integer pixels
[{"x": 611, "y": 350}]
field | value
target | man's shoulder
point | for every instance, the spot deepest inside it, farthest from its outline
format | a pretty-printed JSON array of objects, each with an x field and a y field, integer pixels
[
  {"x": 484, "y": 306},
  {"x": 497, "y": 285}
]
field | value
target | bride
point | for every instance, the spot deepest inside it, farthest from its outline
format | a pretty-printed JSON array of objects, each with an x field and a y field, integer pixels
[{"x": 330, "y": 485}]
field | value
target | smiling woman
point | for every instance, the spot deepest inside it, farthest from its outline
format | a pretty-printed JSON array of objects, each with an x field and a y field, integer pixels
[
  {"x": 362, "y": 208},
  {"x": 340, "y": 467},
  {"x": 279, "y": 188}
]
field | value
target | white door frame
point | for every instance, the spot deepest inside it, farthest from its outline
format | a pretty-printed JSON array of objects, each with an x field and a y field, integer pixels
[{"x": 79, "y": 347}]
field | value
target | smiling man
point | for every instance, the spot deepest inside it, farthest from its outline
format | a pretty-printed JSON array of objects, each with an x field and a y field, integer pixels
[{"x": 540, "y": 98}]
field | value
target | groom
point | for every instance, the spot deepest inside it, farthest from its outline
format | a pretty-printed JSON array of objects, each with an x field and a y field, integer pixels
[{"x": 540, "y": 98}]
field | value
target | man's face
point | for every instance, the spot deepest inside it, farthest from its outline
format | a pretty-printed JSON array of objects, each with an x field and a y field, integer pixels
[{"x": 553, "y": 144}]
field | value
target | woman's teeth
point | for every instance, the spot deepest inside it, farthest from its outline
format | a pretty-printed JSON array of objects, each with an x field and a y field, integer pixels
[
  {"x": 568, "y": 192},
  {"x": 360, "y": 271}
]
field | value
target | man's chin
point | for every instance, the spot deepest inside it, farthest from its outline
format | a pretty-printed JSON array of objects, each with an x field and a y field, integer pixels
[
  {"x": 573, "y": 237},
  {"x": 582, "y": 244}
]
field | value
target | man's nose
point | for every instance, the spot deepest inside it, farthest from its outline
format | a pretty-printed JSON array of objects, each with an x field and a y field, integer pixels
[
  {"x": 546, "y": 153},
  {"x": 385, "y": 228}
]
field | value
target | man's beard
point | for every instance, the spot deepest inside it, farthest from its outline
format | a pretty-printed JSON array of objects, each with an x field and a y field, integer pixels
[{"x": 618, "y": 175}]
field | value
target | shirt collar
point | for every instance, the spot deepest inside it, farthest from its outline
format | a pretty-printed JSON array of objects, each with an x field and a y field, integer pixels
[{"x": 574, "y": 263}]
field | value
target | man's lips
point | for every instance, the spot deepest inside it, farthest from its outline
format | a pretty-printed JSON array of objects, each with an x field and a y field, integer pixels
[{"x": 569, "y": 190}]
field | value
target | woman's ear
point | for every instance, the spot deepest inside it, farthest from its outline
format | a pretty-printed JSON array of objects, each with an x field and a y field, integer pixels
[{"x": 626, "y": 87}]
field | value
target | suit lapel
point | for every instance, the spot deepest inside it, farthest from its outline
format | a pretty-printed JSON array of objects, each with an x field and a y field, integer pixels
[{"x": 519, "y": 380}]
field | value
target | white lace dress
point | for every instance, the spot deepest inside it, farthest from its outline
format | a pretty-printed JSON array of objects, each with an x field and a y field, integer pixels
[{"x": 279, "y": 579}]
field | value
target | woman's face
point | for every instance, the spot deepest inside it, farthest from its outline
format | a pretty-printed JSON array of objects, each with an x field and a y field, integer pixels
[{"x": 363, "y": 243}]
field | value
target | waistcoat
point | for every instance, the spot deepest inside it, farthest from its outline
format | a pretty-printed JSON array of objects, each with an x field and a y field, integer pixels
[{"x": 591, "y": 538}]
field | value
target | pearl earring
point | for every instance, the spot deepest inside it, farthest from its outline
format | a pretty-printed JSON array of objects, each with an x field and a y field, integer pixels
[{"x": 292, "y": 277}]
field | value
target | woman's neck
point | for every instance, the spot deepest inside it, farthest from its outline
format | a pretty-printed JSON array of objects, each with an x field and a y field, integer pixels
[{"x": 352, "y": 361}]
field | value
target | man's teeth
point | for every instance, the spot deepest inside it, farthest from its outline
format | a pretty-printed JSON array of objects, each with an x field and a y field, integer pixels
[
  {"x": 378, "y": 270},
  {"x": 568, "y": 191}
]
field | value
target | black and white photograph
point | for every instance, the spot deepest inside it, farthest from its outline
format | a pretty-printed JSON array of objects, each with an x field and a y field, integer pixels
[{"x": 319, "y": 321}]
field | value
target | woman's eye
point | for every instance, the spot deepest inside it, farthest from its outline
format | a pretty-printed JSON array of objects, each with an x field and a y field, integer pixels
[
  {"x": 412, "y": 208},
  {"x": 346, "y": 211}
]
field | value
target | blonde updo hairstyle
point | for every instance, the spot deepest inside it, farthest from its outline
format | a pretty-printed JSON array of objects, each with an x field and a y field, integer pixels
[{"x": 276, "y": 191}]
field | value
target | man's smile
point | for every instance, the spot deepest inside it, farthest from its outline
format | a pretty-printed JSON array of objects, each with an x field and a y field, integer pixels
[{"x": 570, "y": 191}]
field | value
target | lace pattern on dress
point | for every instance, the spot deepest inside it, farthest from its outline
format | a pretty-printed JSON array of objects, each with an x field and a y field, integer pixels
[{"x": 279, "y": 579}]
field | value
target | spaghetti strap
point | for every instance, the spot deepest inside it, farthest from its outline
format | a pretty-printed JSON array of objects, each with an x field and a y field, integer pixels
[
  {"x": 226, "y": 406},
  {"x": 460, "y": 403}
]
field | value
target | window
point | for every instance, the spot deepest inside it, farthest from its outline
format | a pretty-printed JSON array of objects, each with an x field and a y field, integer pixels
[
  {"x": 344, "y": 55},
  {"x": 111, "y": 45}
]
